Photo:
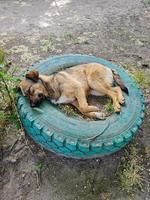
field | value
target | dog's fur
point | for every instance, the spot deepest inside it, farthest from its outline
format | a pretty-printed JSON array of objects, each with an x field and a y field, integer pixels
[{"x": 73, "y": 85}]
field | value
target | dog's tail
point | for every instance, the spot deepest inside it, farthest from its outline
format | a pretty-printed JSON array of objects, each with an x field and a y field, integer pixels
[{"x": 119, "y": 82}]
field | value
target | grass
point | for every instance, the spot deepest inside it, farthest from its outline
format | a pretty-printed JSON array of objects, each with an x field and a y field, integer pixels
[
  {"x": 108, "y": 107},
  {"x": 8, "y": 111},
  {"x": 68, "y": 35},
  {"x": 147, "y": 150},
  {"x": 39, "y": 166},
  {"x": 38, "y": 169},
  {"x": 75, "y": 40},
  {"x": 2, "y": 57},
  {"x": 130, "y": 172},
  {"x": 127, "y": 66},
  {"x": 48, "y": 44},
  {"x": 141, "y": 78},
  {"x": 69, "y": 110},
  {"x": 147, "y": 1}
]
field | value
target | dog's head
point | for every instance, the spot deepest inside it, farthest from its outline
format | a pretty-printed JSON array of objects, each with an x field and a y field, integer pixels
[{"x": 33, "y": 88}]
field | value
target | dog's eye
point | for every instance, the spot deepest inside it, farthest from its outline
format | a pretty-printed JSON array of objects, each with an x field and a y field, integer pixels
[{"x": 40, "y": 95}]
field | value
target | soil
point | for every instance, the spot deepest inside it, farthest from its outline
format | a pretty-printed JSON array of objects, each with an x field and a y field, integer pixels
[{"x": 116, "y": 30}]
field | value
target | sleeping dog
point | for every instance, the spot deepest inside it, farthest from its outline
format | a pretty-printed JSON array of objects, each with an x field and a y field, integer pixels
[{"x": 73, "y": 85}]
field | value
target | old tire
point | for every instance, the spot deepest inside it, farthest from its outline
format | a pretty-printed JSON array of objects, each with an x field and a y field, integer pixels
[{"x": 79, "y": 138}]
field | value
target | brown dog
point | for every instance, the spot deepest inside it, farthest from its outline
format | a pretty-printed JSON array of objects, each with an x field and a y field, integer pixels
[{"x": 73, "y": 85}]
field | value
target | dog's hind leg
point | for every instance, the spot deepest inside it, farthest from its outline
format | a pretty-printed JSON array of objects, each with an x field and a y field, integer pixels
[
  {"x": 107, "y": 90},
  {"x": 95, "y": 115}
]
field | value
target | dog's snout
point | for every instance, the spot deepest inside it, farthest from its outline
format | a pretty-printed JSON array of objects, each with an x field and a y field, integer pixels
[
  {"x": 35, "y": 103},
  {"x": 40, "y": 95}
]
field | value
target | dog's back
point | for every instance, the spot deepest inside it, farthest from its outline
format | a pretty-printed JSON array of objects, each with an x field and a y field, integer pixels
[{"x": 95, "y": 70}]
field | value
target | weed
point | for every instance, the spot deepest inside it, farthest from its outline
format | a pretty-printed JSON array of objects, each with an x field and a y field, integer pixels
[
  {"x": 2, "y": 60},
  {"x": 8, "y": 111},
  {"x": 141, "y": 78},
  {"x": 127, "y": 66},
  {"x": 68, "y": 35},
  {"x": 139, "y": 75},
  {"x": 147, "y": 151},
  {"x": 39, "y": 166},
  {"x": 81, "y": 40},
  {"x": 48, "y": 45},
  {"x": 108, "y": 107},
  {"x": 130, "y": 171},
  {"x": 147, "y": 1},
  {"x": 69, "y": 110},
  {"x": 74, "y": 39}
]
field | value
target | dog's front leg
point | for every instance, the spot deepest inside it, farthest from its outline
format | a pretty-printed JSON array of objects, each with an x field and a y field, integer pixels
[
  {"x": 98, "y": 115},
  {"x": 54, "y": 101}
]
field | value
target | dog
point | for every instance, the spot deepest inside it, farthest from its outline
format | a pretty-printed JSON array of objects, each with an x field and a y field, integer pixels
[{"x": 73, "y": 85}]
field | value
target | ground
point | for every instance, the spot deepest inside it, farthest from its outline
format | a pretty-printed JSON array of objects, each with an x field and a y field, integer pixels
[{"x": 116, "y": 30}]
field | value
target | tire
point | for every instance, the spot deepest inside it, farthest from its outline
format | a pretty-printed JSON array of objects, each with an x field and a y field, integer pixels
[{"x": 79, "y": 138}]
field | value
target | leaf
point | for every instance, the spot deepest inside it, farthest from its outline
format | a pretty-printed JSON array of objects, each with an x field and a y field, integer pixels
[
  {"x": 2, "y": 57},
  {"x": 14, "y": 69},
  {"x": 2, "y": 74}
]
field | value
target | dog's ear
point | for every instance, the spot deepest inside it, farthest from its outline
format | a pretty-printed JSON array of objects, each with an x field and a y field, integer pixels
[
  {"x": 119, "y": 82},
  {"x": 24, "y": 87},
  {"x": 33, "y": 75}
]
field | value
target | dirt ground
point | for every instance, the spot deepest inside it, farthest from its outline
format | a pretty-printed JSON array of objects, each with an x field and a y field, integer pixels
[{"x": 116, "y": 30}]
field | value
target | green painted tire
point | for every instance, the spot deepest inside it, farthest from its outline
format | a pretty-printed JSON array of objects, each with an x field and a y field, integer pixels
[{"x": 79, "y": 138}]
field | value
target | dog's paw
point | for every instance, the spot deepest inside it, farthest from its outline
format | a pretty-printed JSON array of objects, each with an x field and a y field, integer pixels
[
  {"x": 54, "y": 101},
  {"x": 100, "y": 115},
  {"x": 117, "y": 108},
  {"x": 122, "y": 100}
]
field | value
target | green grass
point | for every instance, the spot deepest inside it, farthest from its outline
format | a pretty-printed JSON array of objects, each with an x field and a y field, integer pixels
[
  {"x": 75, "y": 40},
  {"x": 147, "y": 1},
  {"x": 130, "y": 171},
  {"x": 3, "y": 118},
  {"x": 70, "y": 111},
  {"x": 39, "y": 166},
  {"x": 141, "y": 78},
  {"x": 68, "y": 35},
  {"x": 108, "y": 107},
  {"x": 127, "y": 66},
  {"x": 8, "y": 83},
  {"x": 48, "y": 44},
  {"x": 2, "y": 56}
]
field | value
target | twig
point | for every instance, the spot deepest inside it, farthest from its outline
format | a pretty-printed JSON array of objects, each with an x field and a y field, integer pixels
[
  {"x": 22, "y": 128},
  {"x": 14, "y": 144},
  {"x": 13, "y": 106},
  {"x": 28, "y": 145},
  {"x": 37, "y": 179}
]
